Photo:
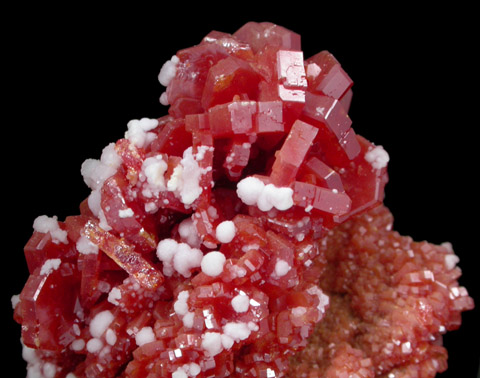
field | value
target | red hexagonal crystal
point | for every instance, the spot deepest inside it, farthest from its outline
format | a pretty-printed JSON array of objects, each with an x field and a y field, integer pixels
[
  {"x": 227, "y": 78},
  {"x": 241, "y": 235},
  {"x": 292, "y": 154},
  {"x": 261, "y": 34},
  {"x": 326, "y": 76}
]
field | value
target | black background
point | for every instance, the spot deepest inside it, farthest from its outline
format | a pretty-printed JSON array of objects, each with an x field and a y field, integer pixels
[{"x": 74, "y": 77}]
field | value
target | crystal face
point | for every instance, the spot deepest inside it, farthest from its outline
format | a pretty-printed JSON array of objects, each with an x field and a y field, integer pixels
[{"x": 243, "y": 235}]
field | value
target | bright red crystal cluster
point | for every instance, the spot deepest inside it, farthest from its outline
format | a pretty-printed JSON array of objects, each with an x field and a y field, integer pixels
[{"x": 242, "y": 235}]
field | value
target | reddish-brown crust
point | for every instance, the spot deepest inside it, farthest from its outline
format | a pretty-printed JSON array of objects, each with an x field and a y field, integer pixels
[{"x": 391, "y": 299}]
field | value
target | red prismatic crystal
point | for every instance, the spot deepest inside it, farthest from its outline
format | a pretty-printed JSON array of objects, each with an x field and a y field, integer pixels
[
  {"x": 241, "y": 235},
  {"x": 41, "y": 247},
  {"x": 321, "y": 174},
  {"x": 336, "y": 137},
  {"x": 48, "y": 304},
  {"x": 329, "y": 113},
  {"x": 269, "y": 118},
  {"x": 237, "y": 158},
  {"x": 231, "y": 43},
  {"x": 365, "y": 185},
  {"x": 239, "y": 118},
  {"x": 284, "y": 77},
  {"x": 326, "y": 76},
  {"x": 291, "y": 76},
  {"x": 227, "y": 78},
  {"x": 172, "y": 139},
  {"x": 191, "y": 74},
  {"x": 235, "y": 118},
  {"x": 327, "y": 200},
  {"x": 125, "y": 256},
  {"x": 125, "y": 216},
  {"x": 132, "y": 158},
  {"x": 259, "y": 35},
  {"x": 292, "y": 154}
]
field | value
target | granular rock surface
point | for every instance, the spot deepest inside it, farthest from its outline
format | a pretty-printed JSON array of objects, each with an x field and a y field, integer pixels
[{"x": 391, "y": 300}]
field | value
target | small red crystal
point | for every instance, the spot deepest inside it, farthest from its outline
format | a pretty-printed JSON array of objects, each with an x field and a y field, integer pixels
[
  {"x": 241, "y": 235},
  {"x": 292, "y": 154},
  {"x": 260, "y": 35},
  {"x": 326, "y": 76},
  {"x": 124, "y": 255}
]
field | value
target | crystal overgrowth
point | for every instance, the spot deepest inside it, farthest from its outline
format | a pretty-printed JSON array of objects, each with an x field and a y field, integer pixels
[{"x": 243, "y": 234}]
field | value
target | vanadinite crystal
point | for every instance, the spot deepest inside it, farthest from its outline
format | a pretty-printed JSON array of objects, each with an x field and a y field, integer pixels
[{"x": 243, "y": 234}]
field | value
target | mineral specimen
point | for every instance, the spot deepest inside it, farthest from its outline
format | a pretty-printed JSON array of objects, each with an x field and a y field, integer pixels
[{"x": 243, "y": 235}]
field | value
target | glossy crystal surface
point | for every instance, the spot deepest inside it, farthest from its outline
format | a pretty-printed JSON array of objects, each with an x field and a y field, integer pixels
[{"x": 241, "y": 235}]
